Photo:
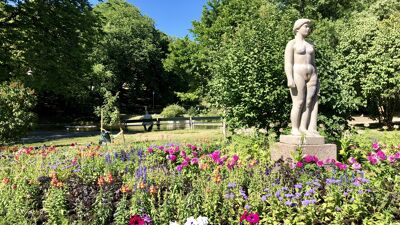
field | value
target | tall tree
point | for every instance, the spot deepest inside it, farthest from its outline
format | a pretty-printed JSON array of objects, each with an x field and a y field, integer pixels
[{"x": 132, "y": 49}]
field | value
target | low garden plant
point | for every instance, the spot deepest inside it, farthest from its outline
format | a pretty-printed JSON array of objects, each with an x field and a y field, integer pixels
[{"x": 187, "y": 183}]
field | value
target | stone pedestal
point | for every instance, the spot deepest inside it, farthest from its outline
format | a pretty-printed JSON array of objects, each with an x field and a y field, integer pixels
[{"x": 310, "y": 146}]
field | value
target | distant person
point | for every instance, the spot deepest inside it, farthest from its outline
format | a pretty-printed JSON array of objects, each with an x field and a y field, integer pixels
[{"x": 148, "y": 121}]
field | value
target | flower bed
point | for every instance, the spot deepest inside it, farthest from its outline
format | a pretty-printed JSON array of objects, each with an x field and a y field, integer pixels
[{"x": 195, "y": 184}]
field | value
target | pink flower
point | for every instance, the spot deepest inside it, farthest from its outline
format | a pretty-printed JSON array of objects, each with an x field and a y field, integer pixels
[
  {"x": 150, "y": 150},
  {"x": 171, "y": 157},
  {"x": 195, "y": 154},
  {"x": 179, "y": 168},
  {"x": 381, "y": 155},
  {"x": 392, "y": 159},
  {"x": 372, "y": 159},
  {"x": 194, "y": 161},
  {"x": 356, "y": 166},
  {"x": 341, "y": 166},
  {"x": 185, "y": 163},
  {"x": 183, "y": 154},
  {"x": 397, "y": 155},
  {"x": 308, "y": 158},
  {"x": 320, "y": 163},
  {"x": 299, "y": 164},
  {"x": 235, "y": 157},
  {"x": 329, "y": 161},
  {"x": 352, "y": 160},
  {"x": 375, "y": 145}
]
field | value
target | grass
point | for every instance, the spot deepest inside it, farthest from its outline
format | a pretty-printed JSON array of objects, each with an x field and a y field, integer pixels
[{"x": 176, "y": 136}]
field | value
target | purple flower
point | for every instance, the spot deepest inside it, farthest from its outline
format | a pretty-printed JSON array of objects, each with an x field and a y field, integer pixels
[
  {"x": 289, "y": 195},
  {"x": 264, "y": 197},
  {"x": 247, "y": 207},
  {"x": 278, "y": 193},
  {"x": 308, "y": 202},
  {"x": 309, "y": 192},
  {"x": 232, "y": 185},
  {"x": 230, "y": 195},
  {"x": 392, "y": 158},
  {"x": 338, "y": 209},
  {"x": 290, "y": 203},
  {"x": 298, "y": 186},
  {"x": 243, "y": 193}
]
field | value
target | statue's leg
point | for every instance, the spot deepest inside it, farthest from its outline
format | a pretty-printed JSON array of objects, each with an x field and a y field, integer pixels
[
  {"x": 310, "y": 106},
  {"x": 312, "y": 128},
  {"x": 298, "y": 98}
]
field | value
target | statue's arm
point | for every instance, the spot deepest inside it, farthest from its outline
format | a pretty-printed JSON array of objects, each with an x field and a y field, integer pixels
[{"x": 289, "y": 64}]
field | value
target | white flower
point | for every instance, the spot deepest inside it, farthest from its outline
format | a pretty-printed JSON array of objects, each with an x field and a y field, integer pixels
[
  {"x": 173, "y": 223},
  {"x": 396, "y": 126},
  {"x": 202, "y": 220},
  {"x": 191, "y": 221},
  {"x": 385, "y": 127}
]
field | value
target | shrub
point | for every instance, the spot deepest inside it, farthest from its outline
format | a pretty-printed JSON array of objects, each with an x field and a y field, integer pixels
[
  {"x": 16, "y": 118},
  {"x": 173, "y": 111}
]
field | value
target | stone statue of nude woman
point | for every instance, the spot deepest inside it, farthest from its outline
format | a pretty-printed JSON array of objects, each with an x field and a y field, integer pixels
[{"x": 302, "y": 81}]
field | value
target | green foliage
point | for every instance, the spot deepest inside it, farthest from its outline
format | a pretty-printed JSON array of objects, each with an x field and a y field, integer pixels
[
  {"x": 248, "y": 81},
  {"x": 55, "y": 207},
  {"x": 131, "y": 49},
  {"x": 16, "y": 116},
  {"x": 109, "y": 110},
  {"x": 47, "y": 43},
  {"x": 173, "y": 111}
]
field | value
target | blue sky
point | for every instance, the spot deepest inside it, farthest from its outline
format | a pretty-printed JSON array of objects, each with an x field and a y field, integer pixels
[{"x": 173, "y": 17}]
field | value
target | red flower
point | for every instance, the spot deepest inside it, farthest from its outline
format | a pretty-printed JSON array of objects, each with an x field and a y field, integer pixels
[
  {"x": 136, "y": 220},
  {"x": 243, "y": 216}
]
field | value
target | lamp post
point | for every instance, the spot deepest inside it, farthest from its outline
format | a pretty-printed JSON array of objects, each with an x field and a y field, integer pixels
[{"x": 153, "y": 100}]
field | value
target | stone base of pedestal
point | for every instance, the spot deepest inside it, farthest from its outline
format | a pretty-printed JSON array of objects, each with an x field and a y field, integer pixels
[
  {"x": 299, "y": 140},
  {"x": 285, "y": 151}
]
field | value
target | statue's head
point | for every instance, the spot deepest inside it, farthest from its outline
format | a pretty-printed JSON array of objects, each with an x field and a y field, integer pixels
[{"x": 299, "y": 23}]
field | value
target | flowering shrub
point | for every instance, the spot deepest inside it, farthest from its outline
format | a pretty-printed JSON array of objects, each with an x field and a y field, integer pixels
[{"x": 195, "y": 184}]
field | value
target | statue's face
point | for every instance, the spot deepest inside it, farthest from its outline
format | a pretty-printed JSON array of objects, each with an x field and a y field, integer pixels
[{"x": 304, "y": 30}]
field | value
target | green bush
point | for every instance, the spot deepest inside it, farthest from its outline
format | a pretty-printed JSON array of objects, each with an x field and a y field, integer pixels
[
  {"x": 173, "y": 111},
  {"x": 16, "y": 118}
]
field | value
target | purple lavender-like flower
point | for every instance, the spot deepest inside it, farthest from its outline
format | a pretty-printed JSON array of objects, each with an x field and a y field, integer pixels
[
  {"x": 309, "y": 192},
  {"x": 264, "y": 197},
  {"x": 231, "y": 185},
  {"x": 108, "y": 158},
  {"x": 230, "y": 195},
  {"x": 243, "y": 193},
  {"x": 298, "y": 186},
  {"x": 247, "y": 207},
  {"x": 290, "y": 203},
  {"x": 308, "y": 202}
]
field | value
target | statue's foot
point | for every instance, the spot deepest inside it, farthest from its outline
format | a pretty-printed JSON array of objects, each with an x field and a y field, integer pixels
[
  {"x": 313, "y": 133},
  {"x": 295, "y": 132}
]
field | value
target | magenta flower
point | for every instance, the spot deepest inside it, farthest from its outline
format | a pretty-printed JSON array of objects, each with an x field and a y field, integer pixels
[
  {"x": 253, "y": 218},
  {"x": 341, "y": 166},
  {"x": 194, "y": 161},
  {"x": 308, "y": 158},
  {"x": 195, "y": 154},
  {"x": 183, "y": 154},
  {"x": 320, "y": 163},
  {"x": 381, "y": 155},
  {"x": 235, "y": 157},
  {"x": 397, "y": 155},
  {"x": 171, "y": 157},
  {"x": 372, "y": 159},
  {"x": 299, "y": 164},
  {"x": 150, "y": 150},
  {"x": 179, "y": 168},
  {"x": 329, "y": 161},
  {"x": 185, "y": 163},
  {"x": 392, "y": 159},
  {"x": 375, "y": 145}
]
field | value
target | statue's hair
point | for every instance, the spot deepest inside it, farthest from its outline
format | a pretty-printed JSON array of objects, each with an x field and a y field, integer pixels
[{"x": 299, "y": 23}]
